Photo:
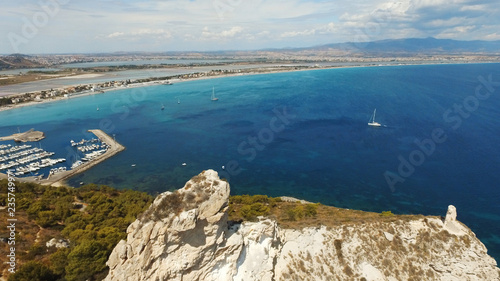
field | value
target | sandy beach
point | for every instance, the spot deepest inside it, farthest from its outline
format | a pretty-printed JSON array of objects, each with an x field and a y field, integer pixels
[
  {"x": 145, "y": 84},
  {"x": 255, "y": 69},
  {"x": 82, "y": 76}
]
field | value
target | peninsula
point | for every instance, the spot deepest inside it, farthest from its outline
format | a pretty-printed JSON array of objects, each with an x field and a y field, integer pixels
[{"x": 28, "y": 136}]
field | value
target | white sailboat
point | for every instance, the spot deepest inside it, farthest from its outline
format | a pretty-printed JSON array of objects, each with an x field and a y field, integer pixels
[
  {"x": 162, "y": 107},
  {"x": 213, "y": 95},
  {"x": 372, "y": 120}
]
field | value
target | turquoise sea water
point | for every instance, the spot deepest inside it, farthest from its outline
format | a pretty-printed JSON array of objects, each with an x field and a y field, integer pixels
[{"x": 304, "y": 134}]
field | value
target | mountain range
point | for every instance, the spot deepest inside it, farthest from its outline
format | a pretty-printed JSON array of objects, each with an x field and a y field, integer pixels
[
  {"x": 428, "y": 45},
  {"x": 383, "y": 48}
]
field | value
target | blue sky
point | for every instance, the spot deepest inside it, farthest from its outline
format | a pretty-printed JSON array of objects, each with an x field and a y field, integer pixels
[{"x": 75, "y": 26}]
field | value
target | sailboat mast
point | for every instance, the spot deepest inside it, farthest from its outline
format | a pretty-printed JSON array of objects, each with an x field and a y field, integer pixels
[{"x": 374, "y": 112}]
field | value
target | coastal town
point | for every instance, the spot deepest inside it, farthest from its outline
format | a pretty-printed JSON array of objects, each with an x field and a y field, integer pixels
[{"x": 13, "y": 100}]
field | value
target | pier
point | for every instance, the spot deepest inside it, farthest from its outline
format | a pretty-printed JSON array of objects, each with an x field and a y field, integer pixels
[{"x": 114, "y": 148}]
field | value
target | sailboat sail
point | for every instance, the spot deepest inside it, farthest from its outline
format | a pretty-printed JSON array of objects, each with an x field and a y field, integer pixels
[
  {"x": 372, "y": 120},
  {"x": 213, "y": 94}
]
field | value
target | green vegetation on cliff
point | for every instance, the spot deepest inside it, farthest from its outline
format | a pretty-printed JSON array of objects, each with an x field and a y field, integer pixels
[
  {"x": 93, "y": 219},
  {"x": 294, "y": 214}
]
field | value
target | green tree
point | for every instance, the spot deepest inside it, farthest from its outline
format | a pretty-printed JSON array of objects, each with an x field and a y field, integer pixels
[
  {"x": 33, "y": 271},
  {"x": 46, "y": 218},
  {"x": 59, "y": 261},
  {"x": 86, "y": 260}
]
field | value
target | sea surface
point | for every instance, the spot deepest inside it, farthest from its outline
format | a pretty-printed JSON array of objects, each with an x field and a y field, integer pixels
[{"x": 304, "y": 134}]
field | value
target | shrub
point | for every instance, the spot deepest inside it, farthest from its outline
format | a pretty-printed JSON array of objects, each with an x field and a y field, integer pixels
[
  {"x": 295, "y": 213},
  {"x": 251, "y": 212},
  {"x": 33, "y": 271},
  {"x": 311, "y": 210},
  {"x": 171, "y": 203},
  {"x": 386, "y": 214}
]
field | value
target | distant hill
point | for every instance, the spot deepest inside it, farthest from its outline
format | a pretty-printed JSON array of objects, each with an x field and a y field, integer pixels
[
  {"x": 414, "y": 46},
  {"x": 16, "y": 61}
]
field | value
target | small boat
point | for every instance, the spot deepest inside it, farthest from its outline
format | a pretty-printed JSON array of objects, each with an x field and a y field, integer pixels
[
  {"x": 97, "y": 108},
  {"x": 162, "y": 107},
  {"x": 184, "y": 164},
  {"x": 178, "y": 101},
  {"x": 372, "y": 120},
  {"x": 213, "y": 95},
  {"x": 133, "y": 165}
]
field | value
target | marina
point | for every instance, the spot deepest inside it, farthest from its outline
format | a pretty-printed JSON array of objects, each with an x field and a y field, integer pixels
[
  {"x": 26, "y": 162},
  {"x": 25, "y": 159}
]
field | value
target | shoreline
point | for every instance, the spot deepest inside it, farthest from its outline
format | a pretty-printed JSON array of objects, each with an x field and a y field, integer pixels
[
  {"x": 180, "y": 80},
  {"x": 150, "y": 83}
]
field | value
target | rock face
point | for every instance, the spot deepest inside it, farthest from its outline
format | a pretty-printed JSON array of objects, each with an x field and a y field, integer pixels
[{"x": 185, "y": 235}]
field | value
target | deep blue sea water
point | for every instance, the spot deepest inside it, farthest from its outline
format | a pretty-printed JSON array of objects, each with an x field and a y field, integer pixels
[{"x": 304, "y": 134}]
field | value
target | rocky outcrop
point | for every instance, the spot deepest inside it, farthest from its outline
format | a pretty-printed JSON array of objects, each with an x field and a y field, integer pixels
[
  {"x": 185, "y": 235},
  {"x": 58, "y": 243}
]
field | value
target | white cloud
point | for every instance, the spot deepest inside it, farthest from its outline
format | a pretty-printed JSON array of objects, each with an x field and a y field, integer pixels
[
  {"x": 231, "y": 32},
  {"x": 323, "y": 29},
  {"x": 456, "y": 21},
  {"x": 224, "y": 34},
  {"x": 198, "y": 25},
  {"x": 298, "y": 33},
  {"x": 493, "y": 36},
  {"x": 143, "y": 33},
  {"x": 481, "y": 8},
  {"x": 115, "y": 34}
]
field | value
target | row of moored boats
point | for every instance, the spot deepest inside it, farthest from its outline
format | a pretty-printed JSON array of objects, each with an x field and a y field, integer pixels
[
  {"x": 25, "y": 159},
  {"x": 92, "y": 146}
]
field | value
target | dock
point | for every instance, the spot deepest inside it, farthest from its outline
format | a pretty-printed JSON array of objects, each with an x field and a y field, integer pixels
[{"x": 115, "y": 148}]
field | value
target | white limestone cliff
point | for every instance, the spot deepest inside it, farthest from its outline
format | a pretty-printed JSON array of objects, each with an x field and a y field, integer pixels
[{"x": 186, "y": 236}]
